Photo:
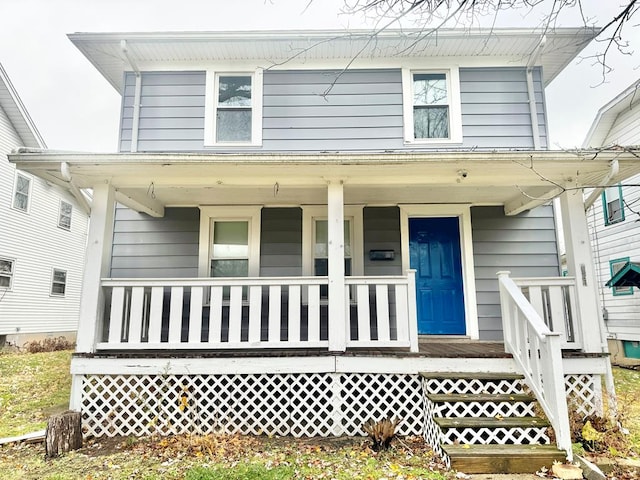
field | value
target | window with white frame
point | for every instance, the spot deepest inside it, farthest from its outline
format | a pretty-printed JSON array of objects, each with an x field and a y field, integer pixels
[
  {"x": 613, "y": 205},
  {"x": 64, "y": 217},
  {"x": 233, "y": 108},
  {"x": 230, "y": 248},
  {"x": 59, "y": 282},
  {"x": 7, "y": 267},
  {"x": 21, "y": 192},
  {"x": 615, "y": 266},
  {"x": 321, "y": 247},
  {"x": 432, "y": 106}
]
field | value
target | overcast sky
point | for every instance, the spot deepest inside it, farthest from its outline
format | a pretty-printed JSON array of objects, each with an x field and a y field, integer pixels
[{"x": 75, "y": 108}]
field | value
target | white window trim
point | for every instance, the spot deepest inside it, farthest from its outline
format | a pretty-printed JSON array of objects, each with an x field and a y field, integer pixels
[
  {"x": 351, "y": 212},
  {"x": 13, "y": 192},
  {"x": 64, "y": 227},
  {"x": 11, "y": 278},
  {"x": 211, "y": 103},
  {"x": 455, "y": 108},
  {"x": 218, "y": 213},
  {"x": 463, "y": 212},
  {"x": 66, "y": 283}
]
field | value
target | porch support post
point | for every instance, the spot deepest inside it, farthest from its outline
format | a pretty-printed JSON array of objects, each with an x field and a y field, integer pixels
[
  {"x": 335, "y": 245},
  {"x": 97, "y": 261},
  {"x": 580, "y": 265}
]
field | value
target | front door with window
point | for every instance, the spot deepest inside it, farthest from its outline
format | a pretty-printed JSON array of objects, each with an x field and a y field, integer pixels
[{"x": 434, "y": 249}]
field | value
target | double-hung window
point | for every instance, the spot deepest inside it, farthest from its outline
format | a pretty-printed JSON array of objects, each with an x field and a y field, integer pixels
[
  {"x": 21, "y": 192},
  {"x": 233, "y": 114},
  {"x": 6, "y": 273},
  {"x": 64, "y": 218},
  {"x": 431, "y": 106},
  {"x": 613, "y": 205},
  {"x": 58, "y": 282},
  {"x": 230, "y": 248}
]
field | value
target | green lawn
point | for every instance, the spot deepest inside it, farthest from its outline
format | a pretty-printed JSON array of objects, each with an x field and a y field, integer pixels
[{"x": 33, "y": 386}]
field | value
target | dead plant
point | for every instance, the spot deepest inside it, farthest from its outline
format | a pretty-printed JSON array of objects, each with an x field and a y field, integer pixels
[{"x": 381, "y": 432}]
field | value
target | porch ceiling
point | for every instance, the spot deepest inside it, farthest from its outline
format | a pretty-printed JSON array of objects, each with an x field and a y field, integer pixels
[{"x": 148, "y": 182}]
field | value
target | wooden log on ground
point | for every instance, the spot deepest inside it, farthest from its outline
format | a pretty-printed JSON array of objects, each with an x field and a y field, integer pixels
[{"x": 64, "y": 433}]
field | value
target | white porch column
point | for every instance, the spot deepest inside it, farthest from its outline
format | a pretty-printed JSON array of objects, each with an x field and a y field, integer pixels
[
  {"x": 335, "y": 245},
  {"x": 98, "y": 258},
  {"x": 580, "y": 265}
]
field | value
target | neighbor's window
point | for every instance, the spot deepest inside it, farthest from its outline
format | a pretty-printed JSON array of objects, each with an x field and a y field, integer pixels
[
  {"x": 59, "y": 282},
  {"x": 230, "y": 249},
  {"x": 615, "y": 266},
  {"x": 21, "y": 192},
  {"x": 64, "y": 220},
  {"x": 6, "y": 273},
  {"x": 430, "y": 106},
  {"x": 613, "y": 205}
]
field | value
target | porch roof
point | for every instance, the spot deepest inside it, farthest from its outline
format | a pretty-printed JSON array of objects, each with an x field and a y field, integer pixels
[
  {"x": 519, "y": 180},
  {"x": 627, "y": 276}
]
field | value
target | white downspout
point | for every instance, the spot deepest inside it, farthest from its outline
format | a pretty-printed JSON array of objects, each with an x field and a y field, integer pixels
[
  {"x": 135, "y": 123},
  {"x": 533, "y": 109}
]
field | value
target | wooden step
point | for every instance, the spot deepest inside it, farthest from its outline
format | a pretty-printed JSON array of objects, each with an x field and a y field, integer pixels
[
  {"x": 502, "y": 458},
  {"x": 491, "y": 422},
  {"x": 480, "y": 397},
  {"x": 471, "y": 375}
]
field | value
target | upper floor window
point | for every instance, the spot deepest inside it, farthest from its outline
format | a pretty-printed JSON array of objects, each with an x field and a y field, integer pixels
[
  {"x": 64, "y": 219},
  {"x": 233, "y": 109},
  {"x": 59, "y": 282},
  {"x": 21, "y": 192},
  {"x": 6, "y": 273},
  {"x": 431, "y": 106},
  {"x": 613, "y": 205},
  {"x": 615, "y": 266}
]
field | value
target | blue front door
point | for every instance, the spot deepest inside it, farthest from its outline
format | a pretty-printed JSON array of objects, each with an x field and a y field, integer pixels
[{"x": 434, "y": 248}]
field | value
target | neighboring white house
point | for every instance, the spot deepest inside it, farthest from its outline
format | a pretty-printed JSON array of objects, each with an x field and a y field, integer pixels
[
  {"x": 614, "y": 223},
  {"x": 43, "y": 238}
]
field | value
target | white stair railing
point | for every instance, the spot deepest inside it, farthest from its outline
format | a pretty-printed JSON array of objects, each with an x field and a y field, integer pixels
[{"x": 538, "y": 352}]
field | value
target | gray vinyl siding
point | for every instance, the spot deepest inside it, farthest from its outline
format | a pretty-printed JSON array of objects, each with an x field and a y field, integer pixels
[
  {"x": 524, "y": 244},
  {"x": 281, "y": 242},
  {"x": 381, "y": 227},
  {"x": 322, "y": 110},
  {"x": 147, "y": 247}
]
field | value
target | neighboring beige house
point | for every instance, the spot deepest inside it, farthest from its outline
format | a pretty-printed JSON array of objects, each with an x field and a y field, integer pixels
[
  {"x": 42, "y": 240},
  {"x": 614, "y": 223}
]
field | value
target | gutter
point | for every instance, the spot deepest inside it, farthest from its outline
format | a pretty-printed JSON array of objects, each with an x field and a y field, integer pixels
[
  {"x": 614, "y": 167},
  {"x": 73, "y": 188}
]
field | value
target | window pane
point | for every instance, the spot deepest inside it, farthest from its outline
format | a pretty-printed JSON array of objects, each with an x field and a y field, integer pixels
[
  {"x": 234, "y": 91},
  {"x": 431, "y": 122},
  {"x": 58, "y": 289},
  {"x": 230, "y": 239},
  {"x": 233, "y": 125},
  {"x": 229, "y": 268},
  {"x": 5, "y": 281},
  {"x": 22, "y": 185},
  {"x": 6, "y": 267},
  {"x": 59, "y": 276},
  {"x": 320, "y": 247},
  {"x": 430, "y": 89}
]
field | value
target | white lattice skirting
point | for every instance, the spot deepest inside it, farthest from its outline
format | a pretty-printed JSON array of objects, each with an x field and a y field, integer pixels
[
  {"x": 297, "y": 404},
  {"x": 313, "y": 404}
]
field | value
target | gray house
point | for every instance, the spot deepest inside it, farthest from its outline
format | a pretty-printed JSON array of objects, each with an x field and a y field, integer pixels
[{"x": 303, "y": 231}]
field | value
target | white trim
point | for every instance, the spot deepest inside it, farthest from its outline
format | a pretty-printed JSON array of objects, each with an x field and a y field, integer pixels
[
  {"x": 249, "y": 213},
  {"x": 463, "y": 212},
  {"x": 20, "y": 173},
  {"x": 211, "y": 85},
  {"x": 135, "y": 123},
  {"x": 454, "y": 103}
]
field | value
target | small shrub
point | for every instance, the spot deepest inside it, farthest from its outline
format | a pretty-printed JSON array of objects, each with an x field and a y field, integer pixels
[
  {"x": 49, "y": 345},
  {"x": 381, "y": 433},
  {"x": 240, "y": 472}
]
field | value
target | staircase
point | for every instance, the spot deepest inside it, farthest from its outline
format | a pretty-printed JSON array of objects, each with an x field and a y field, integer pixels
[{"x": 486, "y": 423}]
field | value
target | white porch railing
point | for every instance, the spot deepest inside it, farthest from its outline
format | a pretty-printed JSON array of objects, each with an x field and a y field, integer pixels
[
  {"x": 538, "y": 352},
  {"x": 249, "y": 313},
  {"x": 554, "y": 298}
]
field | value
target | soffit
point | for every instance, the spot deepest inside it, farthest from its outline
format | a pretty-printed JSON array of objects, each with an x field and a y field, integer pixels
[{"x": 266, "y": 49}]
